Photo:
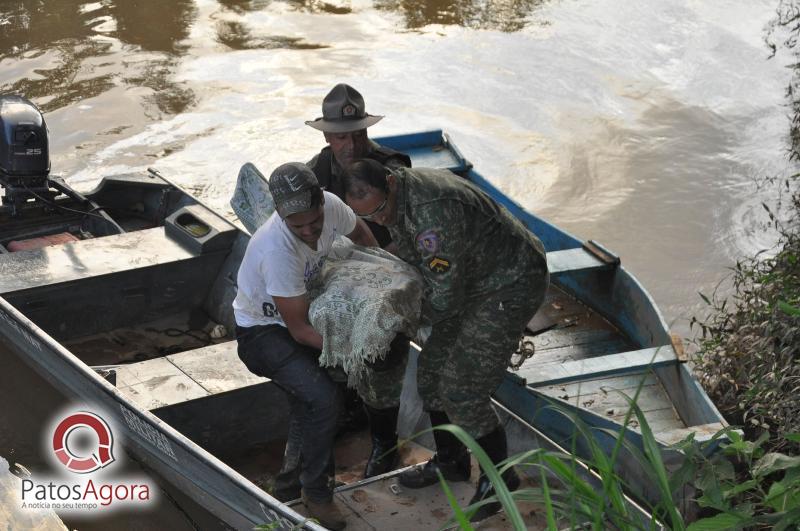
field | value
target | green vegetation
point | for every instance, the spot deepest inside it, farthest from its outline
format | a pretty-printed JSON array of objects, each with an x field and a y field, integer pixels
[
  {"x": 749, "y": 352},
  {"x": 749, "y": 488},
  {"x": 740, "y": 486},
  {"x": 748, "y": 359}
]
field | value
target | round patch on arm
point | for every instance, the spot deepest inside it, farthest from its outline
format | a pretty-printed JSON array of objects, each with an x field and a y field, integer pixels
[{"x": 428, "y": 242}]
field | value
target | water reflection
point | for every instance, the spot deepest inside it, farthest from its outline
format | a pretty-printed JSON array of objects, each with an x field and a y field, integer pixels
[
  {"x": 153, "y": 25},
  {"x": 784, "y": 31},
  {"x": 60, "y": 86},
  {"x": 243, "y": 6},
  {"x": 237, "y": 36},
  {"x": 306, "y": 6},
  {"x": 32, "y": 26},
  {"x": 503, "y": 15},
  {"x": 64, "y": 51}
]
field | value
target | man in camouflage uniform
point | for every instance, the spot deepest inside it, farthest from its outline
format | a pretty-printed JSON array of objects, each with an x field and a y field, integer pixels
[
  {"x": 344, "y": 123},
  {"x": 486, "y": 276}
]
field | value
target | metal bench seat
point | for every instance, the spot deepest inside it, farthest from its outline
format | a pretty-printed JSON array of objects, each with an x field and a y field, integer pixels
[{"x": 185, "y": 376}]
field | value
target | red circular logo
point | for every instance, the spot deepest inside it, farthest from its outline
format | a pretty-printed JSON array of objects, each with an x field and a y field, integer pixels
[{"x": 83, "y": 464}]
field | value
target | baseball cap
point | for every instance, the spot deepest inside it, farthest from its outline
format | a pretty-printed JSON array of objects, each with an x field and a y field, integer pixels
[{"x": 293, "y": 186}]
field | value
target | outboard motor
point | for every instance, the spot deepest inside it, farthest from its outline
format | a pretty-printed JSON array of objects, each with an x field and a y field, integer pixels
[{"x": 24, "y": 152}]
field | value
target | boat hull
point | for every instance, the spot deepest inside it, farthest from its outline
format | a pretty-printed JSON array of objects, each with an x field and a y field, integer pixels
[{"x": 603, "y": 326}]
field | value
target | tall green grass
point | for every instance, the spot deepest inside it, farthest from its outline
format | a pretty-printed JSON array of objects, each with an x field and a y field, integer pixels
[
  {"x": 576, "y": 492},
  {"x": 587, "y": 493}
]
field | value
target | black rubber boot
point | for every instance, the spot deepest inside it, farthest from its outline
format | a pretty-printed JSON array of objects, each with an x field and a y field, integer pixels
[
  {"x": 495, "y": 445},
  {"x": 352, "y": 417},
  {"x": 451, "y": 459},
  {"x": 383, "y": 427}
]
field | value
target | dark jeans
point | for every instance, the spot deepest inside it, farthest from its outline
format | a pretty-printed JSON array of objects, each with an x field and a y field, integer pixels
[{"x": 270, "y": 351}]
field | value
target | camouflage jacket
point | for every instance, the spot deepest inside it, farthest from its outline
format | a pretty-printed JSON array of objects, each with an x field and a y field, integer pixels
[
  {"x": 464, "y": 243},
  {"x": 331, "y": 177}
]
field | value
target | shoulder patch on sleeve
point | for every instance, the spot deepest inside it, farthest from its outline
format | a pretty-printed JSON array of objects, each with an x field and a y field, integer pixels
[
  {"x": 429, "y": 242},
  {"x": 438, "y": 264}
]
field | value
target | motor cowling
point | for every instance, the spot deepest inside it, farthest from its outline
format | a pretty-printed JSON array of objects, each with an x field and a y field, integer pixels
[{"x": 24, "y": 147}]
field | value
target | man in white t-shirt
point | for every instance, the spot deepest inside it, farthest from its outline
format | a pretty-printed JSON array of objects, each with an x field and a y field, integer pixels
[{"x": 275, "y": 337}]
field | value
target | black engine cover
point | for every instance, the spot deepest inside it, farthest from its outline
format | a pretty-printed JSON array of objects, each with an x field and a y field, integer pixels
[{"x": 24, "y": 150}]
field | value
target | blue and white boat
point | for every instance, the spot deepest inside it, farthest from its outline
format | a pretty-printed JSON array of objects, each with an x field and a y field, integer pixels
[{"x": 120, "y": 300}]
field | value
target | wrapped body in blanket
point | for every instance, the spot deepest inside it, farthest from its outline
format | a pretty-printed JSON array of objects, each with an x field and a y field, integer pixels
[{"x": 363, "y": 298}]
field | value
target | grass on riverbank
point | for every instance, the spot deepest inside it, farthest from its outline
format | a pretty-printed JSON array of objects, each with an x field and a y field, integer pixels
[
  {"x": 748, "y": 356},
  {"x": 741, "y": 486}
]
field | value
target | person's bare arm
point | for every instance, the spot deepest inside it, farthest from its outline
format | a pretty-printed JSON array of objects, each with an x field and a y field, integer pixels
[
  {"x": 294, "y": 311},
  {"x": 392, "y": 248},
  {"x": 362, "y": 235}
]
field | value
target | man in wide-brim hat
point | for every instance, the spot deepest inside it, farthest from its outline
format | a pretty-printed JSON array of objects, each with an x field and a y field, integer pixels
[{"x": 344, "y": 123}]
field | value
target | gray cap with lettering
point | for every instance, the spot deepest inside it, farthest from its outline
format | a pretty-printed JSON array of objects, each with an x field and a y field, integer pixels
[{"x": 293, "y": 186}]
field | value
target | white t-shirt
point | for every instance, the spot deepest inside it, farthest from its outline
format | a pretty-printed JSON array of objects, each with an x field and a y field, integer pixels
[{"x": 278, "y": 263}]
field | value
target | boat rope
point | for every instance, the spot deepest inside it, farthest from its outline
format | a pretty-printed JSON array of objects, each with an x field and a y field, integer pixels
[
  {"x": 524, "y": 351},
  {"x": 177, "y": 332}
]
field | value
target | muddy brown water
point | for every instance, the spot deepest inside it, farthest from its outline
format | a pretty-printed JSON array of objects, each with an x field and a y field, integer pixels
[{"x": 641, "y": 125}]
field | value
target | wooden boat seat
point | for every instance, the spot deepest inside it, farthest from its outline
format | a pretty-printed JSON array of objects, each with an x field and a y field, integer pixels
[
  {"x": 601, "y": 366},
  {"x": 589, "y": 257},
  {"x": 432, "y": 149},
  {"x": 185, "y": 376}
]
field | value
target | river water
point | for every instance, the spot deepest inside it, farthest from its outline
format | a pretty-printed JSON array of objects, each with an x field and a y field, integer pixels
[
  {"x": 641, "y": 125},
  {"x": 638, "y": 124}
]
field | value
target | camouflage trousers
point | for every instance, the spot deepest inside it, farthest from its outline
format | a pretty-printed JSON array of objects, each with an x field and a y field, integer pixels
[
  {"x": 381, "y": 384},
  {"x": 465, "y": 357}
]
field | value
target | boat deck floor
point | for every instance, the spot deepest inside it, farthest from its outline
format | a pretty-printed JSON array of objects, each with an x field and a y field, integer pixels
[
  {"x": 581, "y": 334},
  {"x": 385, "y": 504},
  {"x": 137, "y": 342},
  {"x": 185, "y": 376},
  {"x": 382, "y": 504}
]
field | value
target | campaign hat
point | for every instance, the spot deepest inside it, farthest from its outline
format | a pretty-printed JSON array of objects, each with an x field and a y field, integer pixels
[{"x": 343, "y": 111}]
